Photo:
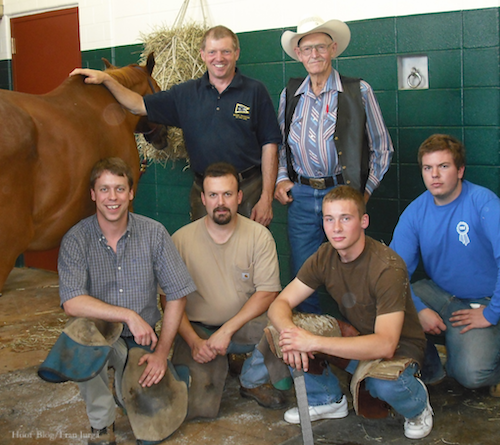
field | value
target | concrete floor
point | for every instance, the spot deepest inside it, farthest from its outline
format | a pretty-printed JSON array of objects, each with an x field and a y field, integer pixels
[{"x": 35, "y": 412}]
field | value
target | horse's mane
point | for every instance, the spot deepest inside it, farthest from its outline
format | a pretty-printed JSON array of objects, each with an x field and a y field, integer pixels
[{"x": 128, "y": 76}]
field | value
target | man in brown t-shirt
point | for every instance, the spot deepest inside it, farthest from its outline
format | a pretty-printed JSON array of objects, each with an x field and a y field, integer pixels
[{"x": 370, "y": 284}]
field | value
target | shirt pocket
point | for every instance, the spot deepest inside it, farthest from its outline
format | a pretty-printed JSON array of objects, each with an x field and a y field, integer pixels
[
  {"x": 296, "y": 127},
  {"x": 244, "y": 280},
  {"x": 329, "y": 124}
]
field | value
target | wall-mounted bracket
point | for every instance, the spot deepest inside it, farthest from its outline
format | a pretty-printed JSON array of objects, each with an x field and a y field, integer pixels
[{"x": 413, "y": 72}]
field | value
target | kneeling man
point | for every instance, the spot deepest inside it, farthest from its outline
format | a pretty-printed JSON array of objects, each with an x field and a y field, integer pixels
[
  {"x": 234, "y": 264},
  {"x": 454, "y": 229},
  {"x": 370, "y": 284},
  {"x": 110, "y": 265}
]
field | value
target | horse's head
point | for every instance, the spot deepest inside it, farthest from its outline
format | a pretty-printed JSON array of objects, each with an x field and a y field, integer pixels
[
  {"x": 155, "y": 134},
  {"x": 138, "y": 78}
]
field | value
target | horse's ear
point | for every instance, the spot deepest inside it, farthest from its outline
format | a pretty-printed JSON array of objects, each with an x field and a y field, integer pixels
[
  {"x": 106, "y": 63},
  {"x": 150, "y": 64}
]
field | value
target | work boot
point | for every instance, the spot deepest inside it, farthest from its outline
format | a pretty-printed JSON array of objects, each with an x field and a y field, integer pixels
[
  {"x": 495, "y": 390},
  {"x": 236, "y": 363},
  {"x": 105, "y": 436},
  {"x": 265, "y": 395}
]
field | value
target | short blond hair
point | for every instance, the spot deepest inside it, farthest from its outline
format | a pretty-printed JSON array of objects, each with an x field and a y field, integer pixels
[
  {"x": 220, "y": 32},
  {"x": 347, "y": 193}
]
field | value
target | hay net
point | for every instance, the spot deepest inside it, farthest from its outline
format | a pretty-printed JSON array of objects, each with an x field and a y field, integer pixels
[{"x": 177, "y": 56}]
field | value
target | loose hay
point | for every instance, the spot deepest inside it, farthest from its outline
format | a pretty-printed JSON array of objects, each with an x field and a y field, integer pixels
[
  {"x": 43, "y": 335},
  {"x": 177, "y": 56},
  {"x": 40, "y": 337}
]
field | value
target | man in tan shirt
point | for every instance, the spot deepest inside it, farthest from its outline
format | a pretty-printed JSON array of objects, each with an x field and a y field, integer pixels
[{"x": 234, "y": 263}]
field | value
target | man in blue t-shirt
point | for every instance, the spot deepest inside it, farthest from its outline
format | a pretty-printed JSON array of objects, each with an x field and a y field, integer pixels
[{"x": 455, "y": 228}]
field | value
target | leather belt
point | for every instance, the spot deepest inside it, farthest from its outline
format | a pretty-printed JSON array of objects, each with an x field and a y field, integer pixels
[
  {"x": 245, "y": 174},
  {"x": 206, "y": 326},
  {"x": 322, "y": 183}
]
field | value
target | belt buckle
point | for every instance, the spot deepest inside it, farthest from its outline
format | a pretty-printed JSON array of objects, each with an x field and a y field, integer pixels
[{"x": 317, "y": 183}]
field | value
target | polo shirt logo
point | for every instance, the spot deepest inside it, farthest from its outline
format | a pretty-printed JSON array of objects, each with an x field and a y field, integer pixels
[{"x": 241, "y": 112}]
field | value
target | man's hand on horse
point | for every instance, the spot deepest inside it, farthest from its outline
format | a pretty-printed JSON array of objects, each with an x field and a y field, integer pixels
[
  {"x": 155, "y": 369},
  {"x": 91, "y": 76}
]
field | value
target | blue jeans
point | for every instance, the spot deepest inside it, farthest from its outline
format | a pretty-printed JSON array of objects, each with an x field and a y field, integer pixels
[
  {"x": 406, "y": 395},
  {"x": 254, "y": 372},
  {"x": 473, "y": 358},
  {"x": 305, "y": 233}
]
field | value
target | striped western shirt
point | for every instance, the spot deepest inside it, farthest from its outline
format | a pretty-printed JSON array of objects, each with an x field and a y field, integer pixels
[{"x": 313, "y": 126}]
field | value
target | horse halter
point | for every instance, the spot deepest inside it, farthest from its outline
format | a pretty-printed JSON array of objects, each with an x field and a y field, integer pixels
[{"x": 150, "y": 80}]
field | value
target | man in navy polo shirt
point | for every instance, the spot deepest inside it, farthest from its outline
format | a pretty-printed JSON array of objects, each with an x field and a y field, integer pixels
[{"x": 225, "y": 117}]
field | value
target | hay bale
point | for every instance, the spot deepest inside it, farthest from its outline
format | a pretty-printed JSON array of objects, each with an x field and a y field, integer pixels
[{"x": 177, "y": 56}]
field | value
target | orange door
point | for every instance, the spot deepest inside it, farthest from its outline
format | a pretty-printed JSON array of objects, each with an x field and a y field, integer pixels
[{"x": 45, "y": 49}]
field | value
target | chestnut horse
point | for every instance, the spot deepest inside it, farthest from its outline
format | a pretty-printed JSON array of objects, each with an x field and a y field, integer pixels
[{"x": 48, "y": 145}]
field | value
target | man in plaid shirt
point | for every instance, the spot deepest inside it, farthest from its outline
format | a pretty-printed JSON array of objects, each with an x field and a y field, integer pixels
[{"x": 110, "y": 265}]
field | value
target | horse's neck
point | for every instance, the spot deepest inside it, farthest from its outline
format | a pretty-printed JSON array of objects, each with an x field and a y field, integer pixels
[
  {"x": 129, "y": 77},
  {"x": 74, "y": 87}
]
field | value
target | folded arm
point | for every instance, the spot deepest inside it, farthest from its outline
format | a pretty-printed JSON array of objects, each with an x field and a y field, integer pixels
[
  {"x": 280, "y": 314},
  {"x": 381, "y": 344},
  {"x": 299, "y": 345},
  {"x": 199, "y": 349},
  {"x": 90, "y": 307},
  {"x": 256, "y": 305}
]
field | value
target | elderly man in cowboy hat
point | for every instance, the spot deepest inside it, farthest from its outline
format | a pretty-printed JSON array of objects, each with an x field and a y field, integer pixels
[{"x": 333, "y": 133}]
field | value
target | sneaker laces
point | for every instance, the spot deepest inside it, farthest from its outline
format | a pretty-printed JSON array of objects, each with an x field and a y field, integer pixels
[{"x": 419, "y": 420}]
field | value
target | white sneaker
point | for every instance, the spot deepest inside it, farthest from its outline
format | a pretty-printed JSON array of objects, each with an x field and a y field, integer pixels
[
  {"x": 336, "y": 410},
  {"x": 420, "y": 426}
]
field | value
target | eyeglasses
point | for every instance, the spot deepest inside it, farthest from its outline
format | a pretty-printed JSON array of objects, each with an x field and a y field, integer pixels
[{"x": 322, "y": 48}]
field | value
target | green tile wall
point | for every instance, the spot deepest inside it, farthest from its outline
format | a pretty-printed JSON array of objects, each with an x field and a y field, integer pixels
[
  {"x": 118, "y": 56},
  {"x": 462, "y": 100},
  {"x": 6, "y": 75}
]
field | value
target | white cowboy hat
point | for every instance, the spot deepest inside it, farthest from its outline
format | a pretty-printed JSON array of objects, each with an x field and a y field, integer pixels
[{"x": 336, "y": 29}]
